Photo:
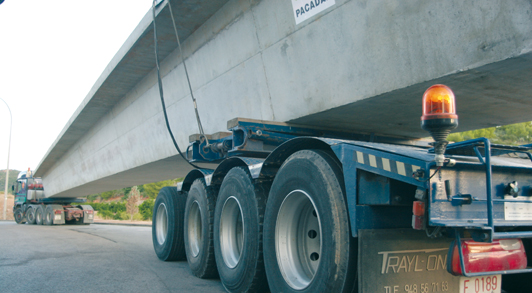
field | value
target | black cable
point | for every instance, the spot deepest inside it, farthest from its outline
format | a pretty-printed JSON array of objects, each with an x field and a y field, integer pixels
[
  {"x": 435, "y": 172},
  {"x": 200, "y": 127},
  {"x": 159, "y": 81}
]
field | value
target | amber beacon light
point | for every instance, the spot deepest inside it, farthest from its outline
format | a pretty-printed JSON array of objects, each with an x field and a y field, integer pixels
[{"x": 439, "y": 117}]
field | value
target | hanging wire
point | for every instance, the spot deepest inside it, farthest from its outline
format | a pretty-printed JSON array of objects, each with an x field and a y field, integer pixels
[
  {"x": 159, "y": 81},
  {"x": 188, "y": 78}
]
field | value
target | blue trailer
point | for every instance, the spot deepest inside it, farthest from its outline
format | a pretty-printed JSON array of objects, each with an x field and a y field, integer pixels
[{"x": 291, "y": 208}]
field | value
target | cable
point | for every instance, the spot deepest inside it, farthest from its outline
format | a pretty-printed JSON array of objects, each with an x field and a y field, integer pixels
[
  {"x": 188, "y": 79},
  {"x": 159, "y": 81},
  {"x": 435, "y": 172}
]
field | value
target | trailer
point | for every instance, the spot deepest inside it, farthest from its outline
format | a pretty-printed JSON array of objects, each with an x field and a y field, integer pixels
[
  {"x": 291, "y": 208},
  {"x": 32, "y": 207}
]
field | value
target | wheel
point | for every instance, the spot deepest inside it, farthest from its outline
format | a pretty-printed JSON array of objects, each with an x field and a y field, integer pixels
[
  {"x": 306, "y": 227},
  {"x": 39, "y": 215},
  {"x": 238, "y": 232},
  {"x": 30, "y": 215},
  {"x": 49, "y": 216},
  {"x": 19, "y": 216},
  {"x": 199, "y": 219},
  {"x": 167, "y": 224}
]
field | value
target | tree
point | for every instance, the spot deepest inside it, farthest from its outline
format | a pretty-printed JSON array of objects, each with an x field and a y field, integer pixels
[
  {"x": 132, "y": 204},
  {"x": 13, "y": 174},
  {"x": 513, "y": 134}
]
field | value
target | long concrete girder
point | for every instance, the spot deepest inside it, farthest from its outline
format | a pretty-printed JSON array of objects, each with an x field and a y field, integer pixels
[{"x": 358, "y": 66}]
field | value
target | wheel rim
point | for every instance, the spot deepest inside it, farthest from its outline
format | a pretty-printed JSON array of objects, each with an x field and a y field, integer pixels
[
  {"x": 37, "y": 217},
  {"x": 194, "y": 228},
  {"x": 298, "y": 239},
  {"x": 231, "y": 232},
  {"x": 161, "y": 228},
  {"x": 31, "y": 215}
]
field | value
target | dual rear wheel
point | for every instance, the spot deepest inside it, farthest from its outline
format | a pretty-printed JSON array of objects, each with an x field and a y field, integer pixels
[{"x": 294, "y": 237}]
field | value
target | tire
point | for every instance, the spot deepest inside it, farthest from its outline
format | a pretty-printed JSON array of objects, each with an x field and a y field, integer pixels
[
  {"x": 19, "y": 216},
  {"x": 167, "y": 224},
  {"x": 30, "y": 215},
  {"x": 49, "y": 216},
  {"x": 238, "y": 232},
  {"x": 306, "y": 227},
  {"x": 39, "y": 215},
  {"x": 198, "y": 230}
]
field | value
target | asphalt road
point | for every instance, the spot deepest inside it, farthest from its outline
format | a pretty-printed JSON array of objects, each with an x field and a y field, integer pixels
[{"x": 95, "y": 258}]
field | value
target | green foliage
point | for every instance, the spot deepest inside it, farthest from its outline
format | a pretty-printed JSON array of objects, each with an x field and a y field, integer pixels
[
  {"x": 513, "y": 134},
  {"x": 92, "y": 197},
  {"x": 152, "y": 189},
  {"x": 108, "y": 194},
  {"x": 122, "y": 216},
  {"x": 11, "y": 180},
  {"x": 112, "y": 207},
  {"x": 146, "y": 209},
  {"x": 138, "y": 217},
  {"x": 105, "y": 214},
  {"x": 119, "y": 211}
]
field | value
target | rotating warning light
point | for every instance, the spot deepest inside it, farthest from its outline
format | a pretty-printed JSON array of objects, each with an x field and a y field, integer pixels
[
  {"x": 439, "y": 117},
  {"x": 439, "y": 111}
]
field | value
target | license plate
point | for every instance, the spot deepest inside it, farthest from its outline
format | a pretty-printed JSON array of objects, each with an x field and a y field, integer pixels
[
  {"x": 482, "y": 284},
  {"x": 57, "y": 217}
]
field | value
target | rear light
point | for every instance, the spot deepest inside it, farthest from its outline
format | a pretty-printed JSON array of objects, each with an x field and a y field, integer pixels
[
  {"x": 501, "y": 255},
  {"x": 89, "y": 211},
  {"x": 58, "y": 212},
  {"x": 418, "y": 217}
]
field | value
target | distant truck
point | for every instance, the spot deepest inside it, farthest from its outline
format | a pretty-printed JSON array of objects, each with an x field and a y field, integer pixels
[{"x": 32, "y": 207}]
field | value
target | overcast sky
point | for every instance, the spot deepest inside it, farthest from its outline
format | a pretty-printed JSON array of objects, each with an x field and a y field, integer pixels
[{"x": 51, "y": 54}]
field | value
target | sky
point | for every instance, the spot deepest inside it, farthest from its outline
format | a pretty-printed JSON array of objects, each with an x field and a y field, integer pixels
[{"x": 51, "y": 54}]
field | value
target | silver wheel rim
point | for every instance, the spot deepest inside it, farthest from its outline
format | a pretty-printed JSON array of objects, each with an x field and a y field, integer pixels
[
  {"x": 161, "y": 228},
  {"x": 31, "y": 215},
  {"x": 194, "y": 228},
  {"x": 298, "y": 239},
  {"x": 231, "y": 232}
]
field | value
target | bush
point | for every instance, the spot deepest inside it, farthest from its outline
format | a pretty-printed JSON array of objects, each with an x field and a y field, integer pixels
[
  {"x": 146, "y": 209},
  {"x": 105, "y": 214},
  {"x": 138, "y": 217}
]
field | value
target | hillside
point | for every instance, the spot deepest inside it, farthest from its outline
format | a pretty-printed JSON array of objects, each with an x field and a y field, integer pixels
[{"x": 12, "y": 178}]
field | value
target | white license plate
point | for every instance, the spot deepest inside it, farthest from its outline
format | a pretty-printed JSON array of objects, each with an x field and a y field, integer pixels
[
  {"x": 482, "y": 284},
  {"x": 57, "y": 217}
]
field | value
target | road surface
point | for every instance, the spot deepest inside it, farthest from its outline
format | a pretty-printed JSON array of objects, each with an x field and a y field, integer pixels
[{"x": 95, "y": 258}]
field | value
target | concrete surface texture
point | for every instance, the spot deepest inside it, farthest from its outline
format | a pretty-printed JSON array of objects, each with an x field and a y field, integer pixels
[
  {"x": 95, "y": 258},
  {"x": 360, "y": 66}
]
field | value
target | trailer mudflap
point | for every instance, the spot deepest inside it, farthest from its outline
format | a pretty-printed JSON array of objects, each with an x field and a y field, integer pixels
[
  {"x": 403, "y": 260},
  {"x": 88, "y": 214}
]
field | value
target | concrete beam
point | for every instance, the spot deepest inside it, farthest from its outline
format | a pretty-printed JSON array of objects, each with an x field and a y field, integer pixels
[{"x": 358, "y": 66}]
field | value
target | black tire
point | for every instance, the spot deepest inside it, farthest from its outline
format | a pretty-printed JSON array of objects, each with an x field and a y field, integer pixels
[
  {"x": 19, "y": 216},
  {"x": 238, "y": 232},
  {"x": 49, "y": 216},
  {"x": 313, "y": 250},
  {"x": 39, "y": 215},
  {"x": 198, "y": 231},
  {"x": 30, "y": 215},
  {"x": 167, "y": 224}
]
